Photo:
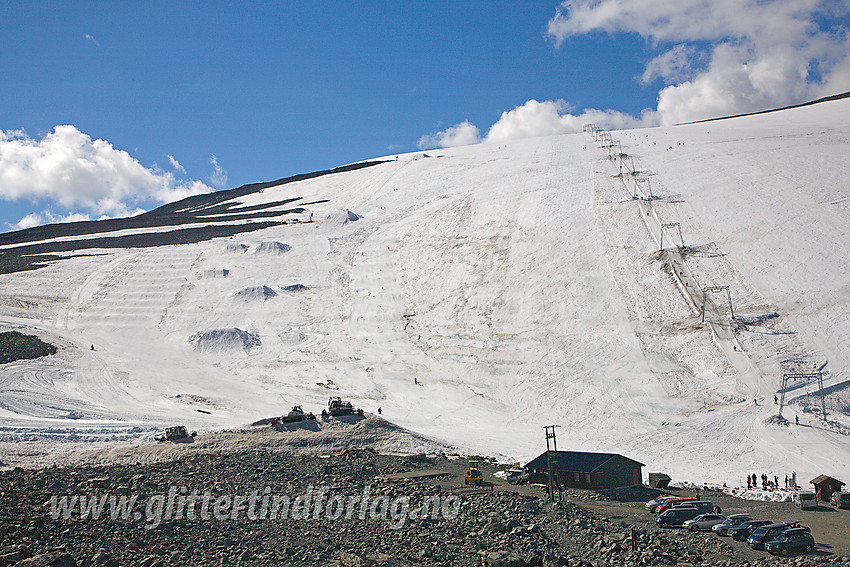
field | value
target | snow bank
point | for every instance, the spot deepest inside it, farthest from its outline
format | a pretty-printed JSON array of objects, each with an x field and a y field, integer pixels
[
  {"x": 341, "y": 218},
  {"x": 761, "y": 495},
  {"x": 272, "y": 248},
  {"x": 291, "y": 338},
  {"x": 335, "y": 435},
  {"x": 262, "y": 292},
  {"x": 221, "y": 340},
  {"x": 220, "y": 273},
  {"x": 236, "y": 248}
]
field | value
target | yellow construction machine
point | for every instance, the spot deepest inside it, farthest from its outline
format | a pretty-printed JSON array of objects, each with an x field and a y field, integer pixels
[{"x": 473, "y": 473}]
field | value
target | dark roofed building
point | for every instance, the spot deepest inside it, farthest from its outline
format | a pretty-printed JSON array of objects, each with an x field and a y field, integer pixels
[
  {"x": 586, "y": 470},
  {"x": 825, "y": 486}
]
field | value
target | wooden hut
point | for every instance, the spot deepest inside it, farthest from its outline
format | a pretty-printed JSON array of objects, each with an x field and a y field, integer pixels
[
  {"x": 825, "y": 486},
  {"x": 577, "y": 469}
]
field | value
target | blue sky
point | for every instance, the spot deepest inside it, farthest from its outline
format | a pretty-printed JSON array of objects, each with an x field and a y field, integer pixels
[{"x": 199, "y": 96}]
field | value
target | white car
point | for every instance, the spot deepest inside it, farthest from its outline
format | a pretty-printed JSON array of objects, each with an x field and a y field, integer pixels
[
  {"x": 732, "y": 521},
  {"x": 516, "y": 476},
  {"x": 703, "y": 522}
]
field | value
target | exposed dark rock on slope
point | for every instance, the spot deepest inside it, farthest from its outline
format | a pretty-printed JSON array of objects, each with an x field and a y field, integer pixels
[{"x": 33, "y": 252}]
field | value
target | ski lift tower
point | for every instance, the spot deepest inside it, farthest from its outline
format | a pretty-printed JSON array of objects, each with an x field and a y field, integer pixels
[
  {"x": 716, "y": 288},
  {"x": 639, "y": 181},
  {"x": 808, "y": 376},
  {"x": 671, "y": 225}
]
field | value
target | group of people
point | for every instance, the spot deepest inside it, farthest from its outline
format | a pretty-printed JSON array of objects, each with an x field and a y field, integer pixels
[{"x": 767, "y": 482}]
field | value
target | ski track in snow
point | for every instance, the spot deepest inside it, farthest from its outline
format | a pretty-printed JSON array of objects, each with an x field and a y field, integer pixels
[{"x": 518, "y": 283}]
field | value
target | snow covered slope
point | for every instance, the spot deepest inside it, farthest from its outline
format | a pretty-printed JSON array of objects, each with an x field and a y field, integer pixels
[{"x": 477, "y": 294}]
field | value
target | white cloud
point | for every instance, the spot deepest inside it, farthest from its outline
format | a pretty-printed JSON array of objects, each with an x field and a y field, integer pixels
[
  {"x": 715, "y": 58},
  {"x": 47, "y": 217},
  {"x": 673, "y": 65},
  {"x": 691, "y": 20},
  {"x": 759, "y": 53},
  {"x": 91, "y": 38},
  {"x": 218, "y": 177},
  {"x": 839, "y": 80},
  {"x": 552, "y": 117},
  {"x": 77, "y": 173},
  {"x": 175, "y": 165},
  {"x": 29, "y": 221},
  {"x": 461, "y": 134},
  {"x": 536, "y": 118}
]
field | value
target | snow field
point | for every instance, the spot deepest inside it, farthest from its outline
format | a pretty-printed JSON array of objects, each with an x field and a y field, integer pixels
[{"x": 518, "y": 283}]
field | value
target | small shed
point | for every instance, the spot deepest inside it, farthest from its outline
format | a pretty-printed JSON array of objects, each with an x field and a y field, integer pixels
[
  {"x": 659, "y": 480},
  {"x": 577, "y": 469},
  {"x": 825, "y": 486}
]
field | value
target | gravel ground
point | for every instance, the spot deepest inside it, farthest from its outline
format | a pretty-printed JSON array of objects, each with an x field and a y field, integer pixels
[{"x": 503, "y": 525}]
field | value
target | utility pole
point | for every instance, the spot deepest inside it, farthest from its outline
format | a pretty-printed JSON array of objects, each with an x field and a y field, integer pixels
[{"x": 551, "y": 454}]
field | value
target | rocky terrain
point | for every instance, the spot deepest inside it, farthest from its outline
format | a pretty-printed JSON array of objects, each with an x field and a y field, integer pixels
[
  {"x": 505, "y": 526},
  {"x": 16, "y": 346}
]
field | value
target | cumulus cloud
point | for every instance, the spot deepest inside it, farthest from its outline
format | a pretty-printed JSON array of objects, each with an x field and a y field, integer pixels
[
  {"x": 218, "y": 177},
  {"x": 714, "y": 58},
  {"x": 722, "y": 57},
  {"x": 674, "y": 65},
  {"x": 84, "y": 176},
  {"x": 535, "y": 118},
  {"x": 461, "y": 134},
  {"x": 553, "y": 117},
  {"x": 47, "y": 217}
]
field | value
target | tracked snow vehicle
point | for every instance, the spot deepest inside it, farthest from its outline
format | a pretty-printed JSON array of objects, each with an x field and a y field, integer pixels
[
  {"x": 337, "y": 406},
  {"x": 296, "y": 414}
]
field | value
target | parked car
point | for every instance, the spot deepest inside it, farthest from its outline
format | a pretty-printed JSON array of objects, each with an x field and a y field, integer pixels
[
  {"x": 840, "y": 499},
  {"x": 703, "y": 506},
  {"x": 742, "y": 532},
  {"x": 675, "y": 517},
  {"x": 764, "y": 534},
  {"x": 652, "y": 504},
  {"x": 703, "y": 522},
  {"x": 516, "y": 476},
  {"x": 806, "y": 500},
  {"x": 797, "y": 539},
  {"x": 732, "y": 521},
  {"x": 663, "y": 501},
  {"x": 672, "y": 502}
]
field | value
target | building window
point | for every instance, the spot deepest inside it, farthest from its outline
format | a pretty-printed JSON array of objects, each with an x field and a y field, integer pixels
[
  {"x": 587, "y": 478},
  {"x": 576, "y": 477}
]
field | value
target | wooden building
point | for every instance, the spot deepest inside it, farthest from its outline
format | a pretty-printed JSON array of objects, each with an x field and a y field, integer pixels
[
  {"x": 577, "y": 469},
  {"x": 825, "y": 486}
]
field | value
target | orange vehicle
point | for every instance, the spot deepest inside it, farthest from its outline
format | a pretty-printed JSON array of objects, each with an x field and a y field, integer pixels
[{"x": 473, "y": 474}]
